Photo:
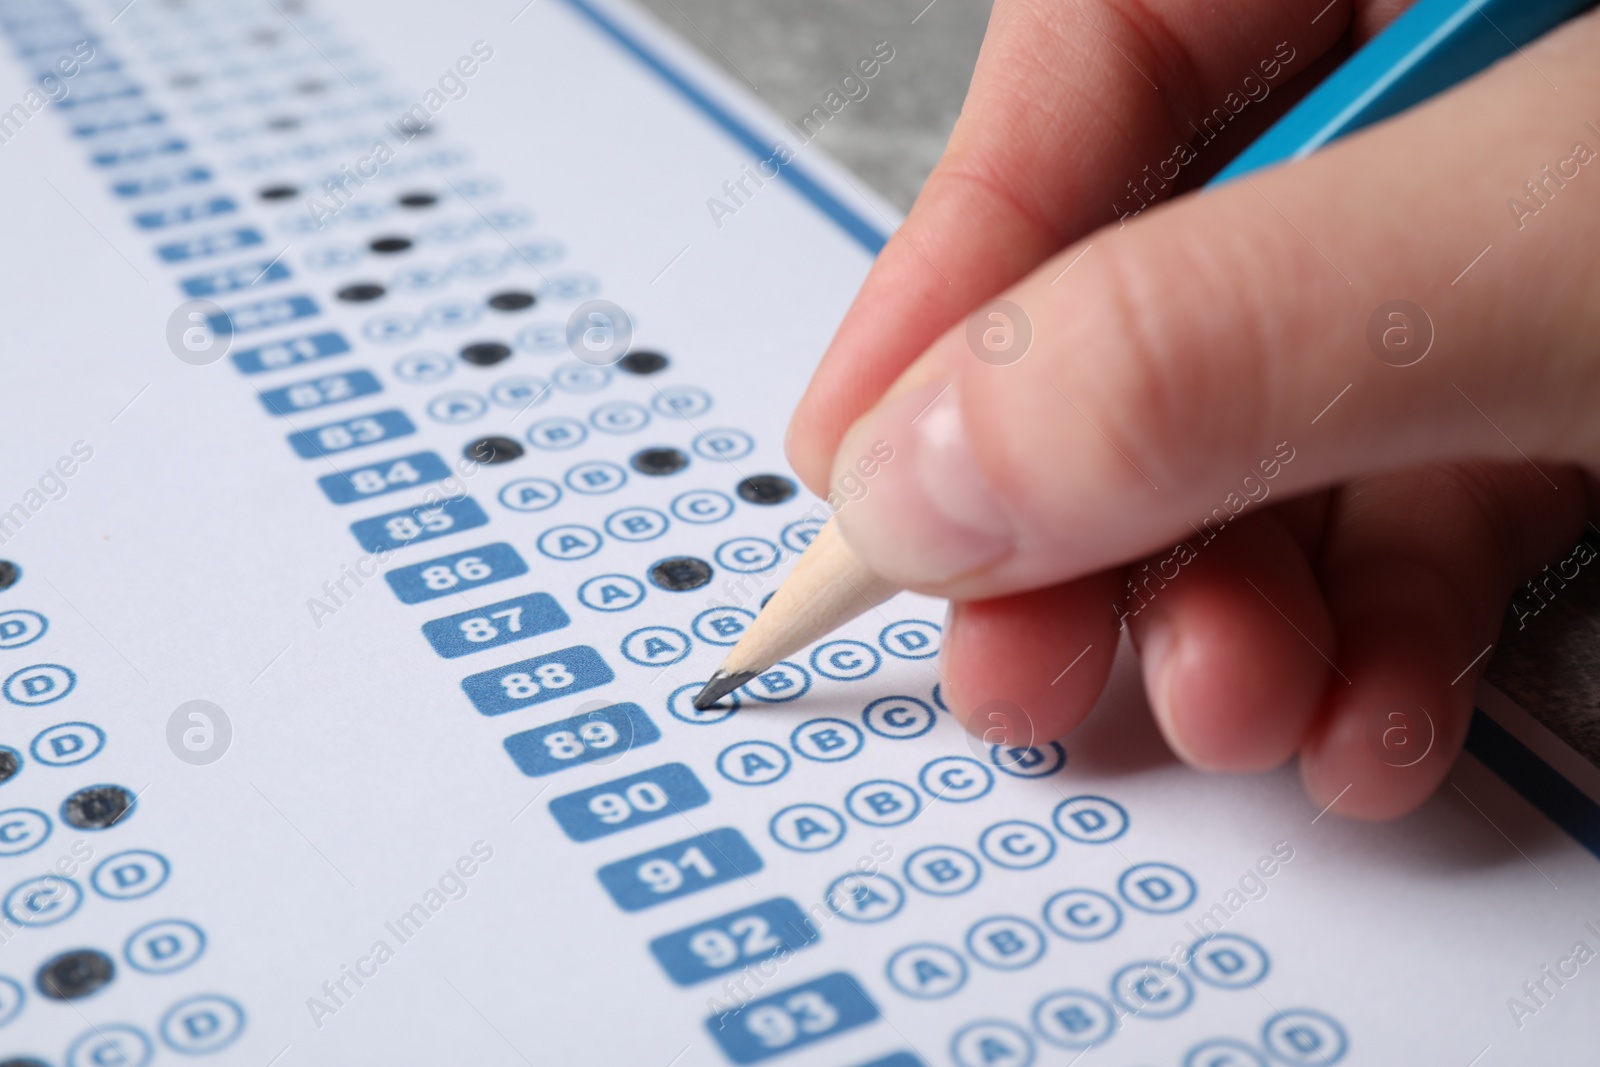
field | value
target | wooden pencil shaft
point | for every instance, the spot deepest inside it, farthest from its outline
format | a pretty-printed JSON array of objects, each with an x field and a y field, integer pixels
[{"x": 828, "y": 587}]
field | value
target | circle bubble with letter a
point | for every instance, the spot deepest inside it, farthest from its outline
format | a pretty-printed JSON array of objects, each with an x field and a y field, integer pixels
[
  {"x": 599, "y": 332},
  {"x": 199, "y": 732},
  {"x": 199, "y": 332}
]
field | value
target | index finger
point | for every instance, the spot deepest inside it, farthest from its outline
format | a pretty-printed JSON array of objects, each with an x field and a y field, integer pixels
[{"x": 1080, "y": 111}]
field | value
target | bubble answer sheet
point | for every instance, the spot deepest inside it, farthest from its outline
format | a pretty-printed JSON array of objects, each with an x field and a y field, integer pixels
[{"x": 392, "y": 412}]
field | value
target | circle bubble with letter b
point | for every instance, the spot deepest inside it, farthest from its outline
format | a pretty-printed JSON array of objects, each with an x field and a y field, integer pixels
[{"x": 199, "y": 732}]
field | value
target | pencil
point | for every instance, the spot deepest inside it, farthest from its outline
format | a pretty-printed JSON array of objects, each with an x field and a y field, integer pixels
[
  {"x": 828, "y": 587},
  {"x": 1434, "y": 45}
]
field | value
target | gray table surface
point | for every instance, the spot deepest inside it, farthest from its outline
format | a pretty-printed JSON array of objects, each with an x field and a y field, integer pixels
[{"x": 791, "y": 52}]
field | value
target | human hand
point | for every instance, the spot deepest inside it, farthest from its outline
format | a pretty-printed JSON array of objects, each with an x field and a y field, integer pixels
[{"x": 1310, "y": 513}]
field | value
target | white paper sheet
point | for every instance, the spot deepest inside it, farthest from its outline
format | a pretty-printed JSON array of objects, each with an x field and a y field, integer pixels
[{"x": 362, "y": 873}]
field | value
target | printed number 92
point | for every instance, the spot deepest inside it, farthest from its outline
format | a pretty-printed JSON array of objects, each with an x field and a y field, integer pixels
[
  {"x": 520, "y": 685},
  {"x": 803, "y": 1013},
  {"x": 747, "y": 937}
]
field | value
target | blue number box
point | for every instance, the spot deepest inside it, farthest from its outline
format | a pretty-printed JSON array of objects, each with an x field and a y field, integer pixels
[
  {"x": 604, "y": 732},
  {"x": 422, "y": 523},
  {"x": 232, "y": 279},
  {"x": 534, "y": 681},
  {"x": 494, "y": 625},
  {"x": 177, "y": 214},
  {"x": 210, "y": 244},
  {"x": 161, "y": 182},
  {"x": 389, "y": 476},
  {"x": 456, "y": 572},
  {"x": 358, "y": 432},
  {"x": 264, "y": 313},
  {"x": 679, "y": 869},
  {"x": 138, "y": 153},
  {"x": 734, "y": 941},
  {"x": 816, "y": 1010},
  {"x": 320, "y": 392},
  {"x": 623, "y": 803},
  {"x": 289, "y": 352}
]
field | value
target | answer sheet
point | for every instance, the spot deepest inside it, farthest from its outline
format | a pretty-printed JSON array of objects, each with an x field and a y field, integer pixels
[{"x": 392, "y": 413}]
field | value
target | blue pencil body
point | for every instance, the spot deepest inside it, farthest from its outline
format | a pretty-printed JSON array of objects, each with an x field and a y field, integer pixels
[{"x": 1433, "y": 46}]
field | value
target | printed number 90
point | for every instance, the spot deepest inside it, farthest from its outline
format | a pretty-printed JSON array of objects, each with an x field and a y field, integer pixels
[
  {"x": 744, "y": 938},
  {"x": 467, "y": 568},
  {"x": 665, "y": 876},
  {"x": 803, "y": 1013},
  {"x": 519, "y": 685},
  {"x": 612, "y": 808},
  {"x": 564, "y": 744}
]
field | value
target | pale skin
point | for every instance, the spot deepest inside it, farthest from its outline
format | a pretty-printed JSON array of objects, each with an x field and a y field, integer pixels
[{"x": 1176, "y": 350}]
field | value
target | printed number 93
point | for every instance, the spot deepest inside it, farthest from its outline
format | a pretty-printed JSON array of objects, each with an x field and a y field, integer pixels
[{"x": 803, "y": 1013}]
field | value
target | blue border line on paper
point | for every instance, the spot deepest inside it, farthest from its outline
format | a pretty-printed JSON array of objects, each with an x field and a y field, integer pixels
[
  {"x": 865, "y": 234},
  {"x": 1539, "y": 783}
]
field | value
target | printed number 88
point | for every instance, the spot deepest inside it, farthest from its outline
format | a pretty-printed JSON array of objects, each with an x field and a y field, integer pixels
[{"x": 520, "y": 685}]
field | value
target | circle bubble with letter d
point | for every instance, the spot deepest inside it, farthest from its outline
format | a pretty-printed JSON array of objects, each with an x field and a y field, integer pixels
[{"x": 199, "y": 732}]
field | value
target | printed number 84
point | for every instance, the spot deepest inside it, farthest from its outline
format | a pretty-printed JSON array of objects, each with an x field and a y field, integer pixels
[{"x": 803, "y": 1013}]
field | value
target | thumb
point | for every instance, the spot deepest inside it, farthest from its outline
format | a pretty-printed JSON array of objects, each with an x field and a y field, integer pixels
[{"x": 1418, "y": 293}]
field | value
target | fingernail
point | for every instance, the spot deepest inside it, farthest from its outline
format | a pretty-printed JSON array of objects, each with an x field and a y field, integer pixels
[
  {"x": 1159, "y": 655},
  {"x": 930, "y": 514}
]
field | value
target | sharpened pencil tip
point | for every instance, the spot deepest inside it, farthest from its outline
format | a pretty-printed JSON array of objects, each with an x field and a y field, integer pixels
[{"x": 721, "y": 684}]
